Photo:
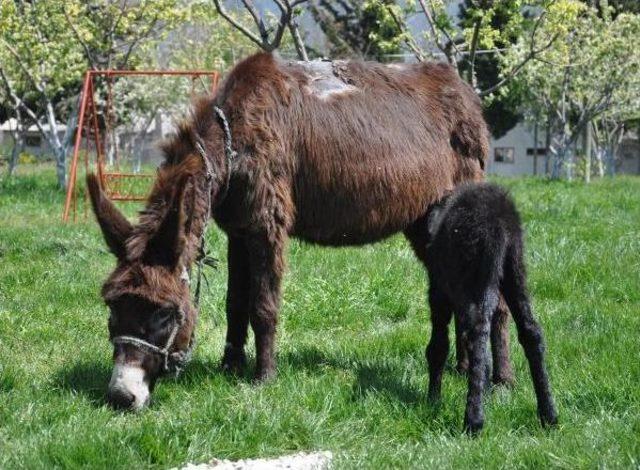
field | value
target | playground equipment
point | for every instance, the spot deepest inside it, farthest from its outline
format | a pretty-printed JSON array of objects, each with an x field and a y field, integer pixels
[{"x": 96, "y": 125}]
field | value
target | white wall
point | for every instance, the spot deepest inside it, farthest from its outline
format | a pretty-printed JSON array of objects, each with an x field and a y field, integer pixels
[{"x": 520, "y": 138}]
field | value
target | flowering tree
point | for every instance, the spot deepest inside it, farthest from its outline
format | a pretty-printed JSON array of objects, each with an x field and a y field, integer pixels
[{"x": 589, "y": 77}]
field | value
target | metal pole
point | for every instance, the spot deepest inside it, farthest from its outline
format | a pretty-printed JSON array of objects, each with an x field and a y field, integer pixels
[{"x": 76, "y": 149}]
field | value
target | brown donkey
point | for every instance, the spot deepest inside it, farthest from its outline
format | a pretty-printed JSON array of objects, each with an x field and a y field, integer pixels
[{"x": 342, "y": 153}]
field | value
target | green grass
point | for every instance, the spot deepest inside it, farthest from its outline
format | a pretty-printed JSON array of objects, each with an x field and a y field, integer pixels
[{"x": 352, "y": 375}]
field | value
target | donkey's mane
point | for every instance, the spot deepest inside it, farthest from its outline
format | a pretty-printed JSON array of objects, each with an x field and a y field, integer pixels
[{"x": 182, "y": 170}]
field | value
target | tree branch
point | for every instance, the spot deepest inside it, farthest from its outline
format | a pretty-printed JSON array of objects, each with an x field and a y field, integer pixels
[
  {"x": 85, "y": 46},
  {"x": 472, "y": 53},
  {"x": 21, "y": 104},
  {"x": 264, "y": 34},
  {"x": 408, "y": 38},
  {"x": 36, "y": 84},
  {"x": 434, "y": 29},
  {"x": 533, "y": 53},
  {"x": 223, "y": 12}
]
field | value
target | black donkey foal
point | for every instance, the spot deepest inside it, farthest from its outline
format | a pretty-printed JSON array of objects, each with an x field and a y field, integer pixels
[{"x": 474, "y": 254}]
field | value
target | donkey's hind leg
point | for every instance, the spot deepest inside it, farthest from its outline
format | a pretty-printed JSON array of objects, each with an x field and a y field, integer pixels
[{"x": 237, "y": 305}]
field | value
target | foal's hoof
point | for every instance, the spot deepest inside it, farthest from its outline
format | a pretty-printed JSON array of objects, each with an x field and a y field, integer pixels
[
  {"x": 549, "y": 418},
  {"x": 504, "y": 380},
  {"x": 234, "y": 360}
]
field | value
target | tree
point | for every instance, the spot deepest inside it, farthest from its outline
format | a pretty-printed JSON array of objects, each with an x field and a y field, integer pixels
[
  {"x": 38, "y": 59},
  {"x": 589, "y": 77},
  {"x": 357, "y": 29},
  {"x": 500, "y": 110},
  {"x": 269, "y": 35},
  {"x": 46, "y": 46}
]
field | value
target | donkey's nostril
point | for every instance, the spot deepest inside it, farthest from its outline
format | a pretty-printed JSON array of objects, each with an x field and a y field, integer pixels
[{"x": 120, "y": 398}]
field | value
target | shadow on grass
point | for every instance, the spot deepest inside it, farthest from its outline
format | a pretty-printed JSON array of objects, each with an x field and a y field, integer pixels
[
  {"x": 86, "y": 378},
  {"x": 91, "y": 378},
  {"x": 379, "y": 378},
  {"x": 371, "y": 375}
]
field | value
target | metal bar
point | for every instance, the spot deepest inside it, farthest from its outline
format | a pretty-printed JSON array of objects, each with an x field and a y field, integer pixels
[
  {"x": 90, "y": 125},
  {"x": 185, "y": 73},
  {"x": 76, "y": 148},
  {"x": 96, "y": 135}
]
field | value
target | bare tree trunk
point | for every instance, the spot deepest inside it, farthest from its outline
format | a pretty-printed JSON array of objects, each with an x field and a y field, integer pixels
[
  {"x": 547, "y": 147},
  {"x": 17, "y": 135},
  {"x": 535, "y": 148},
  {"x": 586, "y": 139},
  {"x": 59, "y": 151}
]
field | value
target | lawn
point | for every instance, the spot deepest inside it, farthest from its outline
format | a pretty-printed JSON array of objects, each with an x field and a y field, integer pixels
[{"x": 353, "y": 328}]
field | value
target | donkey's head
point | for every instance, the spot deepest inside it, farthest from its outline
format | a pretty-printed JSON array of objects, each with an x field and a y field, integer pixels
[{"x": 152, "y": 319}]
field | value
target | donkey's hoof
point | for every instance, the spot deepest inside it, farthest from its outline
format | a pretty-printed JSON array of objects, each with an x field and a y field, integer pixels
[
  {"x": 264, "y": 375},
  {"x": 234, "y": 360},
  {"x": 473, "y": 426},
  {"x": 462, "y": 367}
]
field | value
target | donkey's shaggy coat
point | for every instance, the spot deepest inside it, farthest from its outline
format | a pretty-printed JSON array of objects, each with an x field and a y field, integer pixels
[
  {"x": 474, "y": 254},
  {"x": 341, "y": 153}
]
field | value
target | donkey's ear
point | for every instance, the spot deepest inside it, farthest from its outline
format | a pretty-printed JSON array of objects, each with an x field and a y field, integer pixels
[
  {"x": 166, "y": 245},
  {"x": 115, "y": 227}
]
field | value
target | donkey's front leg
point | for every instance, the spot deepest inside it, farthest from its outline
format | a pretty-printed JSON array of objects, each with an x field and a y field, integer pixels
[
  {"x": 267, "y": 265},
  {"x": 238, "y": 289}
]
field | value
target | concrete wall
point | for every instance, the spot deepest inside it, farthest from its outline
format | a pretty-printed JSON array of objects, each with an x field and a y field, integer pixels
[{"x": 517, "y": 141}]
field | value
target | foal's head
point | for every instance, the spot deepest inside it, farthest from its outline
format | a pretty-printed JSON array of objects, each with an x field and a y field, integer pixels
[{"x": 151, "y": 316}]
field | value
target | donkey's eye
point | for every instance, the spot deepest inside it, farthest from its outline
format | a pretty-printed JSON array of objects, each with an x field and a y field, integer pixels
[{"x": 161, "y": 318}]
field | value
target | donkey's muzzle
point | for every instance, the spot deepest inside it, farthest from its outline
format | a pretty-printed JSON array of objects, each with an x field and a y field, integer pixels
[
  {"x": 129, "y": 387},
  {"x": 121, "y": 399}
]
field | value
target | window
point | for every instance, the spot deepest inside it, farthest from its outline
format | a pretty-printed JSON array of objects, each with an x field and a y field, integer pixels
[
  {"x": 541, "y": 151},
  {"x": 504, "y": 154},
  {"x": 32, "y": 141}
]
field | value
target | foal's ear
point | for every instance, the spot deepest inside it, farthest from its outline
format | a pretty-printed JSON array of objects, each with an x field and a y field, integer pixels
[
  {"x": 166, "y": 245},
  {"x": 115, "y": 227}
]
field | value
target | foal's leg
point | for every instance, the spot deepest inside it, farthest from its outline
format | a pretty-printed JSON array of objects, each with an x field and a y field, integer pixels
[
  {"x": 502, "y": 371},
  {"x": 438, "y": 348},
  {"x": 529, "y": 334},
  {"x": 237, "y": 305},
  {"x": 462, "y": 359},
  {"x": 267, "y": 266},
  {"x": 476, "y": 320}
]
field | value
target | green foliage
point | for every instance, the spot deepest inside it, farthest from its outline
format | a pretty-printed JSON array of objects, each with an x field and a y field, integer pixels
[
  {"x": 37, "y": 48},
  {"x": 352, "y": 333},
  {"x": 359, "y": 28},
  {"x": 205, "y": 41},
  {"x": 591, "y": 70},
  {"x": 383, "y": 34}
]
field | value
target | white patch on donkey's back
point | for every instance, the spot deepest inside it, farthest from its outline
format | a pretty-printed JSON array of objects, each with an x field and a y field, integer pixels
[{"x": 323, "y": 83}]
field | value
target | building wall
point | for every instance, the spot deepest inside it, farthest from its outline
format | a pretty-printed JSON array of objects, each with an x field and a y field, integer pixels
[{"x": 516, "y": 142}]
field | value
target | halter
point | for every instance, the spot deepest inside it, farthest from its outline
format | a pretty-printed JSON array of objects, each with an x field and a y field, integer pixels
[
  {"x": 171, "y": 362},
  {"x": 174, "y": 362}
]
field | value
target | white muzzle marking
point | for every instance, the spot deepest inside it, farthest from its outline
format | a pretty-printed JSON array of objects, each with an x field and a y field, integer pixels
[{"x": 131, "y": 379}]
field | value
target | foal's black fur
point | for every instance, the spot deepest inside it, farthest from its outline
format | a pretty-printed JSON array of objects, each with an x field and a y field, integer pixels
[{"x": 474, "y": 254}]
